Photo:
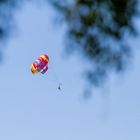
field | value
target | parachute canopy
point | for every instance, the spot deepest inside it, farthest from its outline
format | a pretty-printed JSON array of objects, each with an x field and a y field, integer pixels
[{"x": 40, "y": 65}]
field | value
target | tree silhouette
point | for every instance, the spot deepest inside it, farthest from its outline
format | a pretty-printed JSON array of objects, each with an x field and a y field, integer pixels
[
  {"x": 7, "y": 9},
  {"x": 97, "y": 29}
]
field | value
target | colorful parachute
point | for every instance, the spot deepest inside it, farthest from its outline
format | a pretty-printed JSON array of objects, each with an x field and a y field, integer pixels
[{"x": 40, "y": 65}]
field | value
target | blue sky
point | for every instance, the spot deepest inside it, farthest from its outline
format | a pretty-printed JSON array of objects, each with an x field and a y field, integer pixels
[{"x": 32, "y": 108}]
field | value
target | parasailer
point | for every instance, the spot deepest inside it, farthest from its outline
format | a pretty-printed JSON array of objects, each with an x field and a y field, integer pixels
[{"x": 41, "y": 66}]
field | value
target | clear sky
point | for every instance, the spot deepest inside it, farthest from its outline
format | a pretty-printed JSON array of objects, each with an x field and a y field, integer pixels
[{"x": 32, "y": 108}]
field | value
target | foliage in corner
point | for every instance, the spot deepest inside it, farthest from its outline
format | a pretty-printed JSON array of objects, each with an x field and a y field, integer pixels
[{"x": 98, "y": 29}]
